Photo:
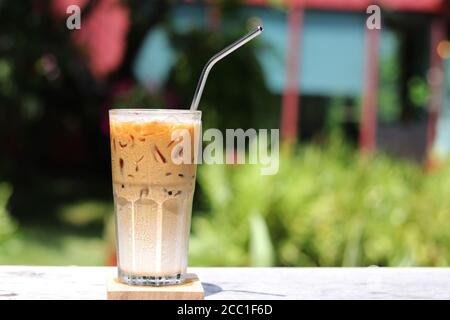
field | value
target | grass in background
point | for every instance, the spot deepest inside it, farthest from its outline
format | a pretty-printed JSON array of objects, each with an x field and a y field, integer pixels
[
  {"x": 49, "y": 246},
  {"x": 73, "y": 235},
  {"x": 326, "y": 207}
]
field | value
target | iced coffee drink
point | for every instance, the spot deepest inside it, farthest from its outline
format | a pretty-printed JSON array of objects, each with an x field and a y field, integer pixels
[{"x": 152, "y": 192}]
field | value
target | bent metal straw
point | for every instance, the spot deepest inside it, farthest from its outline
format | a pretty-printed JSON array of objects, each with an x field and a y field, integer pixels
[{"x": 217, "y": 57}]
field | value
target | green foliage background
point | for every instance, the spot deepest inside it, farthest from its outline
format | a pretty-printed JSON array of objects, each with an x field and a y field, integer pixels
[{"x": 326, "y": 207}]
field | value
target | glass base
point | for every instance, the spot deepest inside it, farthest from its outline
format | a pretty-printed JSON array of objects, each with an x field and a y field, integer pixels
[{"x": 156, "y": 281}]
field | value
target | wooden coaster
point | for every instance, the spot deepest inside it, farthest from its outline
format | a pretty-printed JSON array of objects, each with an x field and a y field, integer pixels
[{"x": 192, "y": 289}]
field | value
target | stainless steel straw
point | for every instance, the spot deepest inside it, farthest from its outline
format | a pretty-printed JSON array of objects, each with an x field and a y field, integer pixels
[{"x": 216, "y": 58}]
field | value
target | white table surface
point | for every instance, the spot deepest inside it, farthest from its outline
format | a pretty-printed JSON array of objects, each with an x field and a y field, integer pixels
[{"x": 22, "y": 282}]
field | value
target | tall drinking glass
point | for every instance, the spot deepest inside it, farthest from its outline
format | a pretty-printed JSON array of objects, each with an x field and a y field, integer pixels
[{"x": 153, "y": 191}]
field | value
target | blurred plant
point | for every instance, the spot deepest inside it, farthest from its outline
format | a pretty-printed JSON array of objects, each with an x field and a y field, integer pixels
[
  {"x": 261, "y": 248},
  {"x": 7, "y": 226},
  {"x": 341, "y": 110},
  {"x": 418, "y": 91},
  {"x": 85, "y": 212},
  {"x": 389, "y": 89},
  {"x": 325, "y": 207}
]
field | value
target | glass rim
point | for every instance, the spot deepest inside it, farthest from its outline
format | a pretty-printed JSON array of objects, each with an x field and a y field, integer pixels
[{"x": 123, "y": 111}]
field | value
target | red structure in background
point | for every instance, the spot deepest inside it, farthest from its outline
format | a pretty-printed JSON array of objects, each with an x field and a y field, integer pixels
[
  {"x": 368, "y": 123},
  {"x": 290, "y": 104},
  {"x": 291, "y": 94},
  {"x": 435, "y": 82}
]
